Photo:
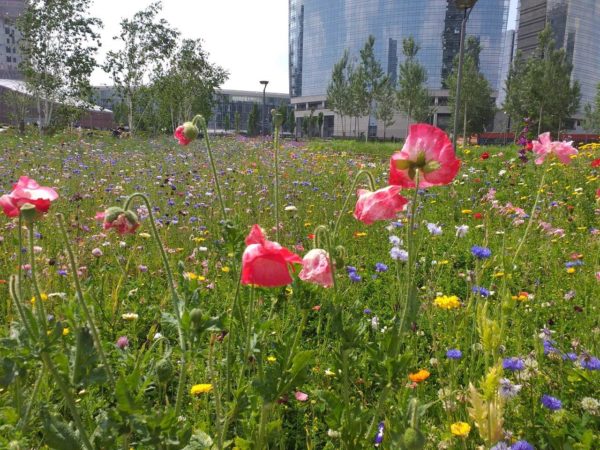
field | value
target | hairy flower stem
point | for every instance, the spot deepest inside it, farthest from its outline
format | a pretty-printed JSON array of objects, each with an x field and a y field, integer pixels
[
  {"x": 177, "y": 303},
  {"x": 276, "y": 152},
  {"x": 323, "y": 238},
  {"x": 350, "y": 194},
  {"x": 60, "y": 218},
  {"x": 64, "y": 389},
  {"x": 22, "y": 425},
  {"x": 395, "y": 350},
  {"x": 20, "y": 257},
  {"x": 14, "y": 292},
  {"x": 39, "y": 305},
  {"x": 535, "y": 204},
  {"x": 202, "y": 124}
]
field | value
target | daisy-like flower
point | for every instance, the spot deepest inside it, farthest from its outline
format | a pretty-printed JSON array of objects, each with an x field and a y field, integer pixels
[
  {"x": 447, "y": 302},
  {"x": 419, "y": 376}
]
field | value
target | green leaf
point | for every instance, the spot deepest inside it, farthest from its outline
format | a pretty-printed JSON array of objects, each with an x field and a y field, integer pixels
[
  {"x": 57, "y": 434},
  {"x": 8, "y": 371},
  {"x": 199, "y": 440},
  {"x": 242, "y": 444}
]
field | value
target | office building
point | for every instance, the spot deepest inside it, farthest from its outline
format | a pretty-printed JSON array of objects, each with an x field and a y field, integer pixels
[{"x": 320, "y": 32}]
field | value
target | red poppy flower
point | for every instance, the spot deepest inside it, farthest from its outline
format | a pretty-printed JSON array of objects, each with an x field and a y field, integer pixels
[
  {"x": 478, "y": 216},
  {"x": 485, "y": 155},
  {"x": 595, "y": 163},
  {"x": 266, "y": 263},
  {"x": 428, "y": 150},
  {"x": 27, "y": 191},
  {"x": 382, "y": 204}
]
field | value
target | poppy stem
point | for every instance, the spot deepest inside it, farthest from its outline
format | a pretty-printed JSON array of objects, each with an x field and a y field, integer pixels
[
  {"x": 177, "y": 303},
  {"x": 350, "y": 193},
  {"x": 535, "y": 204},
  {"x": 202, "y": 123},
  {"x": 60, "y": 218},
  {"x": 276, "y": 121}
]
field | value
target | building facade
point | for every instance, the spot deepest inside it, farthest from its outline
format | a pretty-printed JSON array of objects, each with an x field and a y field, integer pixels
[
  {"x": 9, "y": 38},
  {"x": 320, "y": 32},
  {"x": 576, "y": 28},
  {"x": 229, "y": 103}
]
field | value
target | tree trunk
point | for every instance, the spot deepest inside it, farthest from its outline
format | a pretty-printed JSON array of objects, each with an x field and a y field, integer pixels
[
  {"x": 465, "y": 127},
  {"x": 540, "y": 120},
  {"x": 130, "y": 112}
]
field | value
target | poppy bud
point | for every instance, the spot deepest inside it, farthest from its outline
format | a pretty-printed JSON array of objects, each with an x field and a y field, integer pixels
[
  {"x": 28, "y": 213},
  {"x": 196, "y": 317},
  {"x": 164, "y": 370},
  {"x": 413, "y": 439}
]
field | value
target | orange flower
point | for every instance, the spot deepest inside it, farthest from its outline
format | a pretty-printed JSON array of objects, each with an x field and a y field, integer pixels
[{"x": 420, "y": 376}]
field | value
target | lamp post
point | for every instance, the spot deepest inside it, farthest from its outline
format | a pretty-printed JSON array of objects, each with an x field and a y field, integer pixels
[
  {"x": 467, "y": 7},
  {"x": 262, "y": 123}
]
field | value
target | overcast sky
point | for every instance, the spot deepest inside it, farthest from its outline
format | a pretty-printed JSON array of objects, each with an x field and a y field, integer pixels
[{"x": 249, "y": 38}]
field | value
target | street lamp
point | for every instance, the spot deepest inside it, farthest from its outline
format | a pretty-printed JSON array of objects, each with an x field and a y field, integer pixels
[
  {"x": 467, "y": 7},
  {"x": 262, "y": 125}
]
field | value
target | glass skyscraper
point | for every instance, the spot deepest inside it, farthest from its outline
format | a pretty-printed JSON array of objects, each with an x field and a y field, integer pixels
[
  {"x": 320, "y": 31},
  {"x": 576, "y": 28}
]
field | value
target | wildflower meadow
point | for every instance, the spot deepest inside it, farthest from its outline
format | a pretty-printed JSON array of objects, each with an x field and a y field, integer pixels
[{"x": 192, "y": 292}]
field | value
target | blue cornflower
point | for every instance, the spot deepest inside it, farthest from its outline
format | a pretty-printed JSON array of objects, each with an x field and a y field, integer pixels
[
  {"x": 500, "y": 446},
  {"x": 552, "y": 403},
  {"x": 62, "y": 272},
  {"x": 481, "y": 291},
  {"x": 575, "y": 263},
  {"x": 399, "y": 254},
  {"x": 522, "y": 445},
  {"x": 354, "y": 277},
  {"x": 481, "y": 252},
  {"x": 548, "y": 347},
  {"x": 381, "y": 267},
  {"x": 379, "y": 436},
  {"x": 570, "y": 356},
  {"x": 367, "y": 311},
  {"x": 513, "y": 364},
  {"x": 350, "y": 269},
  {"x": 454, "y": 353},
  {"x": 590, "y": 363}
]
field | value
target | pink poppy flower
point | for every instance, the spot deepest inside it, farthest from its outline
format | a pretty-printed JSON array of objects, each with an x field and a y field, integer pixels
[
  {"x": 266, "y": 263},
  {"x": 186, "y": 133},
  {"x": 428, "y": 150},
  {"x": 382, "y": 204},
  {"x": 123, "y": 222},
  {"x": 301, "y": 396},
  {"x": 316, "y": 268},
  {"x": 27, "y": 191},
  {"x": 546, "y": 147}
]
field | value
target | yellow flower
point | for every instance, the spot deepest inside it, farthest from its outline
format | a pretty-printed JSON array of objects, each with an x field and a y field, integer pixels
[
  {"x": 447, "y": 302},
  {"x": 271, "y": 359},
  {"x": 144, "y": 235},
  {"x": 460, "y": 429},
  {"x": 225, "y": 269},
  {"x": 198, "y": 389},
  {"x": 466, "y": 211},
  {"x": 43, "y": 296},
  {"x": 191, "y": 276},
  {"x": 66, "y": 332}
]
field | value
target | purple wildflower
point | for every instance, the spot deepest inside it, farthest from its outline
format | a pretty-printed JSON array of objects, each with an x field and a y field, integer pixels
[
  {"x": 513, "y": 364},
  {"x": 481, "y": 291},
  {"x": 481, "y": 252},
  {"x": 552, "y": 403},
  {"x": 522, "y": 445},
  {"x": 381, "y": 267},
  {"x": 379, "y": 436},
  {"x": 454, "y": 353}
]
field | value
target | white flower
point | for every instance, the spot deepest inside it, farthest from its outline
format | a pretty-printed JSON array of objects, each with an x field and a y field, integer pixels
[
  {"x": 462, "y": 230},
  {"x": 590, "y": 405},
  {"x": 291, "y": 208}
]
